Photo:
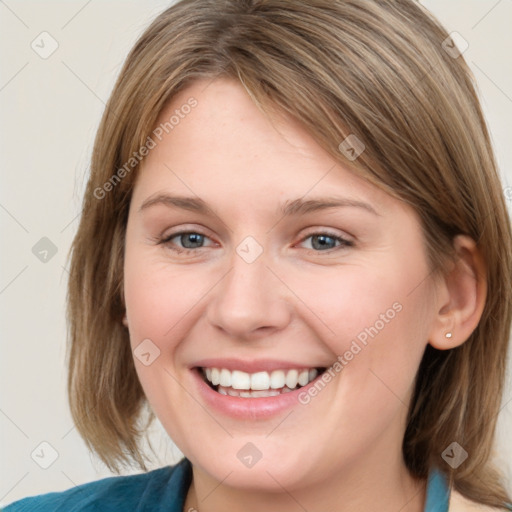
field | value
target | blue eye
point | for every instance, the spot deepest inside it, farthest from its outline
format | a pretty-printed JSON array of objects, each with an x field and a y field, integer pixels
[
  {"x": 190, "y": 241},
  {"x": 324, "y": 241}
]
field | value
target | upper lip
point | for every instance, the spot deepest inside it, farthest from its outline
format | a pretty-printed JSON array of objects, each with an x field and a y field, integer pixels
[{"x": 253, "y": 366}]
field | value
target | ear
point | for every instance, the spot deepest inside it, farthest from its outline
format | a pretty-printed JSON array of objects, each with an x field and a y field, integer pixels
[
  {"x": 125, "y": 320},
  {"x": 460, "y": 296}
]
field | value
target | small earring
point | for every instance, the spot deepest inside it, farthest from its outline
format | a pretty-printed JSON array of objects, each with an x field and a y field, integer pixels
[{"x": 448, "y": 335}]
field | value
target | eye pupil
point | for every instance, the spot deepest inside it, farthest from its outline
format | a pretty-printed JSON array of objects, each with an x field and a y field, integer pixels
[
  {"x": 321, "y": 239},
  {"x": 196, "y": 239}
]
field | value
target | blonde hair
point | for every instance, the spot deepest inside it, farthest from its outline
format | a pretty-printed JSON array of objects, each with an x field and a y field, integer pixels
[{"x": 374, "y": 69}]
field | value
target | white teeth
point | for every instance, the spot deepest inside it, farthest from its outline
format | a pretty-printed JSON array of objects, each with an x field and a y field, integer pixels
[
  {"x": 240, "y": 380},
  {"x": 291, "y": 378},
  {"x": 238, "y": 383},
  {"x": 215, "y": 379},
  {"x": 225, "y": 378},
  {"x": 260, "y": 381},
  {"x": 252, "y": 394},
  {"x": 277, "y": 379},
  {"x": 303, "y": 378}
]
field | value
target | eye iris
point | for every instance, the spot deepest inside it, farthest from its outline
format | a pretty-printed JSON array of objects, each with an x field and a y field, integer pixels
[
  {"x": 321, "y": 239},
  {"x": 196, "y": 239}
]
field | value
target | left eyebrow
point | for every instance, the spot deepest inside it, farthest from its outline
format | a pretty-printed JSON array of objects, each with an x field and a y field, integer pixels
[
  {"x": 289, "y": 208},
  {"x": 301, "y": 206}
]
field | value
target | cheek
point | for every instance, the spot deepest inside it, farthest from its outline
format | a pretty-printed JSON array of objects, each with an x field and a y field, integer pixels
[
  {"x": 375, "y": 318},
  {"x": 350, "y": 302},
  {"x": 160, "y": 297},
  {"x": 161, "y": 300}
]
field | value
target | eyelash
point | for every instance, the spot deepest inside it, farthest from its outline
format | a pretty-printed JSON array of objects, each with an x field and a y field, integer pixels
[{"x": 166, "y": 241}]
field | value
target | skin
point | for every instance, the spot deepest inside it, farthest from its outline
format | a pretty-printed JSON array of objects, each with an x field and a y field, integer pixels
[{"x": 296, "y": 302}]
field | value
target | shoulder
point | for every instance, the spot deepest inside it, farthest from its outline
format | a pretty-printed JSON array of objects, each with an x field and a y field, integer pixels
[
  {"x": 110, "y": 494},
  {"x": 459, "y": 503}
]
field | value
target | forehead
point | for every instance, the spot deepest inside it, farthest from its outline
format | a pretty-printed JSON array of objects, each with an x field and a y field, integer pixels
[{"x": 211, "y": 140}]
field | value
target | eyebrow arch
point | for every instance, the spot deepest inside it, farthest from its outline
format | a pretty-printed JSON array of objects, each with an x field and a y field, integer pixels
[
  {"x": 301, "y": 206},
  {"x": 289, "y": 208}
]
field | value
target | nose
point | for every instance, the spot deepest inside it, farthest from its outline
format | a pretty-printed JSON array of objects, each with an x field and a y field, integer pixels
[{"x": 250, "y": 301}]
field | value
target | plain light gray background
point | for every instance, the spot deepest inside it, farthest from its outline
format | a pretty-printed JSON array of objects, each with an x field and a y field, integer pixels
[{"x": 50, "y": 108}]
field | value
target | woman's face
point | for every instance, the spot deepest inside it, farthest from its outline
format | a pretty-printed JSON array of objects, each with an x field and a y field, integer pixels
[{"x": 267, "y": 285}]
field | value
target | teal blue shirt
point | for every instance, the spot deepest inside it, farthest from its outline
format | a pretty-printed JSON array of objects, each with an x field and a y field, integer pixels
[{"x": 161, "y": 490}]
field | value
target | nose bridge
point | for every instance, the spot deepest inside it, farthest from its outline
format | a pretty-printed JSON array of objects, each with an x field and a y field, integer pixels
[{"x": 250, "y": 298}]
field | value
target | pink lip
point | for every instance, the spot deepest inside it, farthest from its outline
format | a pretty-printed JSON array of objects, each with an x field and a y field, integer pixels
[
  {"x": 248, "y": 408},
  {"x": 260, "y": 365}
]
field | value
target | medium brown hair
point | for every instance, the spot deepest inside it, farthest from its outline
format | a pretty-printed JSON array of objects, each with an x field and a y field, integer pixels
[{"x": 374, "y": 69}]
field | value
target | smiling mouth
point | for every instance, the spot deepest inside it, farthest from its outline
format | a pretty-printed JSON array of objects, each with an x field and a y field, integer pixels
[{"x": 260, "y": 384}]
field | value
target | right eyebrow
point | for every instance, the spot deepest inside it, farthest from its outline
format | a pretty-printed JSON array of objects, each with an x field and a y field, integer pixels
[{"x": 185, "y": 203}]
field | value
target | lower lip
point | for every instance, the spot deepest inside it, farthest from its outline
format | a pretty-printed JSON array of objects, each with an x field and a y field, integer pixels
[{"x": 248, "y": 408}]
